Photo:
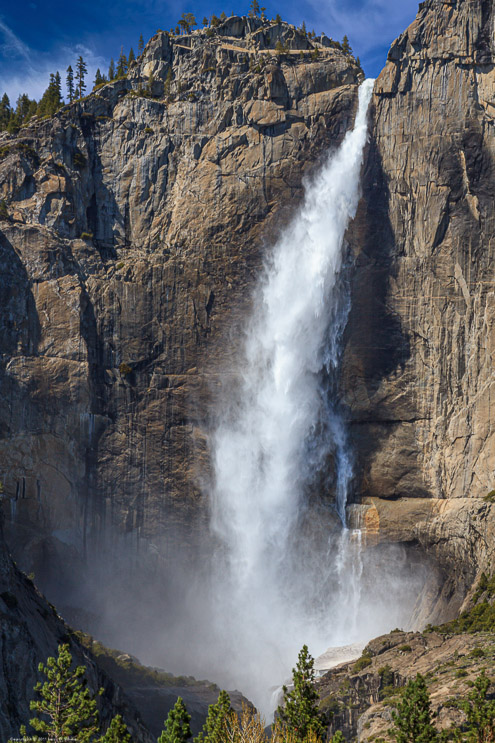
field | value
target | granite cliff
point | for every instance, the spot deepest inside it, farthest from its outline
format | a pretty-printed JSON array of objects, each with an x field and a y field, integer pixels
[
  {"x": 137, "y": 220},
  {"x": 418, "y": 372}
]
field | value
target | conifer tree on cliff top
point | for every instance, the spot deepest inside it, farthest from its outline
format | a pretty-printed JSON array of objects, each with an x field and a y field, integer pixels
[
  {"x": 81, "y": 72},
  {"x": 300, "y": 712}
]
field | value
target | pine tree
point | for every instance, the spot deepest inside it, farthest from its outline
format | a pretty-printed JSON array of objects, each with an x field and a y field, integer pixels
[
  {"x": 346, "y": 48},
  {"x": 140, "y": 45},
  {"x": 278, "y": 18},
  {"x": 215, "y": 21},
  {"x": 131, "y": 57},
  {"x": 81, "y": 71},
  {"x": 300, "y": 712},
  {"x": 5, "y": 112},
  {"x": 412, "y": 718},
  {"x": 303, "y": 28},
  {"x": 213, "y": 729},
  {"x": 99, "y": 79},
  {"x": 254, "y": 8},
  {"x": 69, "y": 81},
  {"x": 480, "y": 711},
  {"x": 58, "y": 89},
  {"x": 122, "y": 64},
  {"x": 205, "y": 21},
  {"x": 68, "y": 705},
  {"x": 223, "y": 16},
  {"x": 111, "y": 70},
  {"x": 50, "y": 101},
  {"x": 191, "y": 20},
  {"x": 117, "y": 732},
  {"x": 177, "y": 728}
]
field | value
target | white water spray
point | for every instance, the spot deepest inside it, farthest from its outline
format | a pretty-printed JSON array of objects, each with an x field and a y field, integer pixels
[{"x": 273, "y": 585}]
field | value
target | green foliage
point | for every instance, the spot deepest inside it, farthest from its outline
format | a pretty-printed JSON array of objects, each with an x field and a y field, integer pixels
[
  {"x": 4, "y": 214},
  {"x": 481, "y": 618},
  {"x": 117, "y": 732},
  {"x": 405, "y": 649},
  {"x": 187, "y": 22},
  {"x": 177, "y": 728},
  {"x": 490, "y": 498},
  {"x": 412, "y": 717},
  {"x": 485, "y": 586},
  {"x": 346, "y": 47},
  {"x": 81, "y": 72},
  {"x": 279, "y": 47},
  {"x": 278, "y": 18},
  {"x": 140, "y": 45},
  {"x": 121, "y": 64},
  {"x": 205, "y": 21},
  {"x": 79, "y": 160},
  {"x": 5, "y": 112},
  {"x": 215, "y": 21},
  {"x": 66, "y": 704},
  {"x": 214, "y": 727},
  {"x": 111, "y": 70},
  {"x": 254, "y": 8},
  {"x": 69, "y": 81},
  {"x": 51, "y": 100},
  {"x": 131, "y": 57},
  {"x": 337, "y": 738},
  {"x": 363, "y": 662},
  {"x": 477, "y": 653},
  {"x": 300, "y": 712},
  {"x": 480, "y": 713},
  {"x": 99, "y": 79},
  {"x": 125, "y": 369},
  {"x": 386, "y": 681}
]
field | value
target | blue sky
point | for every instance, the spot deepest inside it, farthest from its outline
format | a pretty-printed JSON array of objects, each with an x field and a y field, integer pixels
[{"x": 42, "y": 36}]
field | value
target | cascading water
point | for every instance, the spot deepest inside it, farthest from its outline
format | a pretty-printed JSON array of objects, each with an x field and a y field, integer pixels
[{"x": 272, "y": 585}]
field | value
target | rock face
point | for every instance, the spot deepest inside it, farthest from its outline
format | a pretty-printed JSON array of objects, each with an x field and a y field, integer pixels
[
  {"x": 418, "y": 370},
  {"x": 362, "y": 694},
  {"x": 138, "y": 221},
  {"x": 136, "y": 217}
]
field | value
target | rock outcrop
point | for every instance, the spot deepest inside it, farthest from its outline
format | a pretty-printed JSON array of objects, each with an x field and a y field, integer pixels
[
  {"x": 418, "y": 368},
  {"x": 360, "y": 696},
  {"x": 137, "y": 218},
  {"x": 31, "y": 632}
]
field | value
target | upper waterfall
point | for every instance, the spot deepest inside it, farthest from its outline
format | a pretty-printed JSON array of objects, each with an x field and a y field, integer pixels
[{"x": 269, "y": 581}]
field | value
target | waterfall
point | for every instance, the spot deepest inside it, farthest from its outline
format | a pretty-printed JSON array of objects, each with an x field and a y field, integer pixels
[{"x": 275, "y": 580}]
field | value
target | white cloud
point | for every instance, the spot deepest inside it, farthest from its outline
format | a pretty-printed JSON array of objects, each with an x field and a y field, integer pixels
[
  {"x": 372, "y": 25},
  {"x": 23, "y": 70}
]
